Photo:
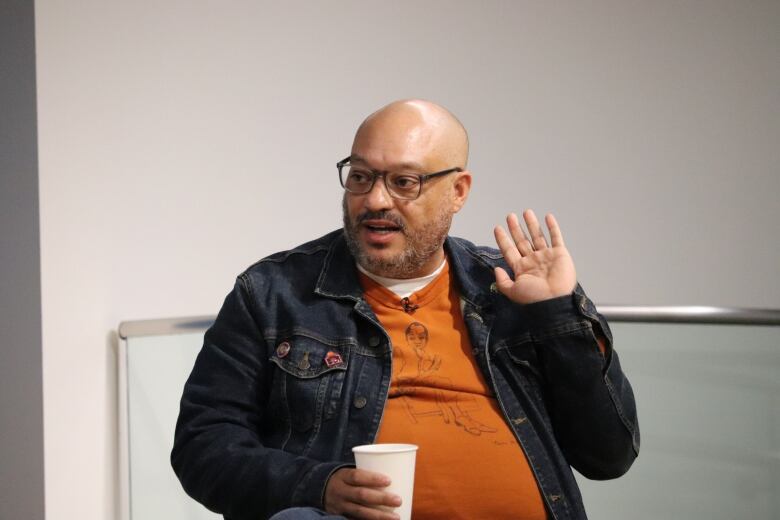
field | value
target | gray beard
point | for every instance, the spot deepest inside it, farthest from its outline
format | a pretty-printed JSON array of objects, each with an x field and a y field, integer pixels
[{"x": 421, "y": 245}]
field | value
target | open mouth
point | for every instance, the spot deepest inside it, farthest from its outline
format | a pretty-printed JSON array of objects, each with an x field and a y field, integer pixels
[{"x": 382, "y": 229}]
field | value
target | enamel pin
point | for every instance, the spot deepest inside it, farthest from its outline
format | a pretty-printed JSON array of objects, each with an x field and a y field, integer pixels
[
  {"x": 333, "y": 359},
  {"x": 283, "y": 349}
]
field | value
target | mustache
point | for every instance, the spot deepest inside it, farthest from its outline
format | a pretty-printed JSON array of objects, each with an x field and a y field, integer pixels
[{"x": 381, "y": 215}]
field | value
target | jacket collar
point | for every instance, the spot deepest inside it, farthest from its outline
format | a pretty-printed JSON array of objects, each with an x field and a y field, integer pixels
[
  {"x": 338, "y": 277},
  {"x": 472, "y": 271}
]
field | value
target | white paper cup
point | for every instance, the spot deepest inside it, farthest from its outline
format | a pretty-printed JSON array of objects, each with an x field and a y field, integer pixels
[{"x": 397, "y": 462}]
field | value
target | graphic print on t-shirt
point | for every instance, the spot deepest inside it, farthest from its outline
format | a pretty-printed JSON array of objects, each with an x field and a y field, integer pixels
[{"x": 423, "y": 371}]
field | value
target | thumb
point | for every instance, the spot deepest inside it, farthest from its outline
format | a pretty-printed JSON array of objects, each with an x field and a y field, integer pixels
[{"x": 503, "y": 282}]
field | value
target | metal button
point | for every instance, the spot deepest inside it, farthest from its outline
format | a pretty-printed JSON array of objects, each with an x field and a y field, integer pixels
[
  {"x": 587, "y": 306},
  {"x": 493, "y": 288},
  {"x": 374, "y": 341},
  {"x": 360, "y": 401}
]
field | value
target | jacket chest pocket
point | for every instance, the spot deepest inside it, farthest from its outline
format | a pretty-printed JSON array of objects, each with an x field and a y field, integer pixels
[{"x": 309, "y": 382}]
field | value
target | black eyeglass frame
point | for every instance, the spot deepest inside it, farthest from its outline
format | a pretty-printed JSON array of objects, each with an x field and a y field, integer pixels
[{"x": 422, "y": 177}]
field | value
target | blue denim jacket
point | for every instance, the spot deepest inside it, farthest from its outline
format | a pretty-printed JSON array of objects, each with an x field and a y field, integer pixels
[{"x": 268, "y": 414}]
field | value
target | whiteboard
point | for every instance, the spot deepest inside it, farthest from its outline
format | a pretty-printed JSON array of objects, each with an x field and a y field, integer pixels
[
  {"x": 708, "y": 400},
  {"x": 155, "y": 369}
]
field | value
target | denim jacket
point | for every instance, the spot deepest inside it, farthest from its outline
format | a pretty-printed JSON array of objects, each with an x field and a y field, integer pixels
[{"x": 296, "y": 369}]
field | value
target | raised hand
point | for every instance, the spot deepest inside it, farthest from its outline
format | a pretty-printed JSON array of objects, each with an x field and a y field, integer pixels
[{"x": 541, "y": 271}]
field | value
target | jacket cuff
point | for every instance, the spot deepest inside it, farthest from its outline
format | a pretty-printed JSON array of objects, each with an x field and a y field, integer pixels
[
  {"x": 552, "y": 315},
  {"x": 310, "y": 491}
]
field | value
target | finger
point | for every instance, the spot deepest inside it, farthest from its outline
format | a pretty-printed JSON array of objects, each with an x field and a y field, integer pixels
[
  {"x": 362, "y": 477},
  {"x": 537, "y": 235},
  {"x": 507, "y": 246},
  {"x": 518, "y": 235},
  {"x": 372, "y": 497},
  {"x": 360, "y": 512},
  {"x": 341, "y": 497},
  {"x": 556, "y": 237}
]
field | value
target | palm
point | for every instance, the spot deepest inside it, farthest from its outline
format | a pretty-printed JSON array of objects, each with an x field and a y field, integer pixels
[{"x": 541, "y": 271}]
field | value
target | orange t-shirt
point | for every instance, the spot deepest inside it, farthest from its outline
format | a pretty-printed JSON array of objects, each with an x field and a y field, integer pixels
[{"x": 469, "y": 464}]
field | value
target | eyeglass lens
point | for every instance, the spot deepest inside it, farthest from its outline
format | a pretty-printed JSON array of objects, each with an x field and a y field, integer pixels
[{"x": 361, "y": 180}]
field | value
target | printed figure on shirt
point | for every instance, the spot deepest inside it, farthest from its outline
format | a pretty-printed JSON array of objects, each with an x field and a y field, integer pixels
[{"x": 453, "y": 407}]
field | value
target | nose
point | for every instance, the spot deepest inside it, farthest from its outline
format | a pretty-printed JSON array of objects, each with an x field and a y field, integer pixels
[{"x": 378, "y": 198}]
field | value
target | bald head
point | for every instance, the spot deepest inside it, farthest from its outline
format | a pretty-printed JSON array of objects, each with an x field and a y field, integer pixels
[{"x": 414, "y": 127}]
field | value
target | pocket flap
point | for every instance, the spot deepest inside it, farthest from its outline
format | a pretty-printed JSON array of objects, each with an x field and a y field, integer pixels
[{"x": 306, "y": 358}]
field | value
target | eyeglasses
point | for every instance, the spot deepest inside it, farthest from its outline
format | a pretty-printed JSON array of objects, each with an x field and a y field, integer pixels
[{"x": 407, "y": 186}]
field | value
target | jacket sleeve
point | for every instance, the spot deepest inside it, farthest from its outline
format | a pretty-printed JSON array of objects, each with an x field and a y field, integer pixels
[
  {"x": 590, "y": 400},
  {"x": 217, "y": 452}
]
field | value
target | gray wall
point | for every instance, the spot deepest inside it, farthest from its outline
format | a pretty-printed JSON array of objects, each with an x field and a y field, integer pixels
[{"x": 21, "y": 400}]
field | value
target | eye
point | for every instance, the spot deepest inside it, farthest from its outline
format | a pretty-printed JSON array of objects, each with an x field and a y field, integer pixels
[
  {"x": 358, "y": 176},
  {"x": 405, "y": 182}
]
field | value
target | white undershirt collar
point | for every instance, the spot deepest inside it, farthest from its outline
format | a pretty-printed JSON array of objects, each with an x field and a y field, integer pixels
[{"x": 404, "y": 287}]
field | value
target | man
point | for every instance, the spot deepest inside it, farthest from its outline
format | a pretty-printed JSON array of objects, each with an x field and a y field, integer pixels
[{"x": 495, "y": 363}]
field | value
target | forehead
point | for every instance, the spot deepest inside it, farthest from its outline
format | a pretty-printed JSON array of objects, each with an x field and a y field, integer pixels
[
  {"x": 402, "y": 165},
  {"x": 390, "y": 145}
]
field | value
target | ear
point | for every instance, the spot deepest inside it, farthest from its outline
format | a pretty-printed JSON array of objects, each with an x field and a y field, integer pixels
[{"x": 460, "y": 190}]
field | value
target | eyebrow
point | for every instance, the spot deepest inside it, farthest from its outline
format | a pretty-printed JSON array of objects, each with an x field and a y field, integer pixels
[{"x": 403, "y": 166}]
